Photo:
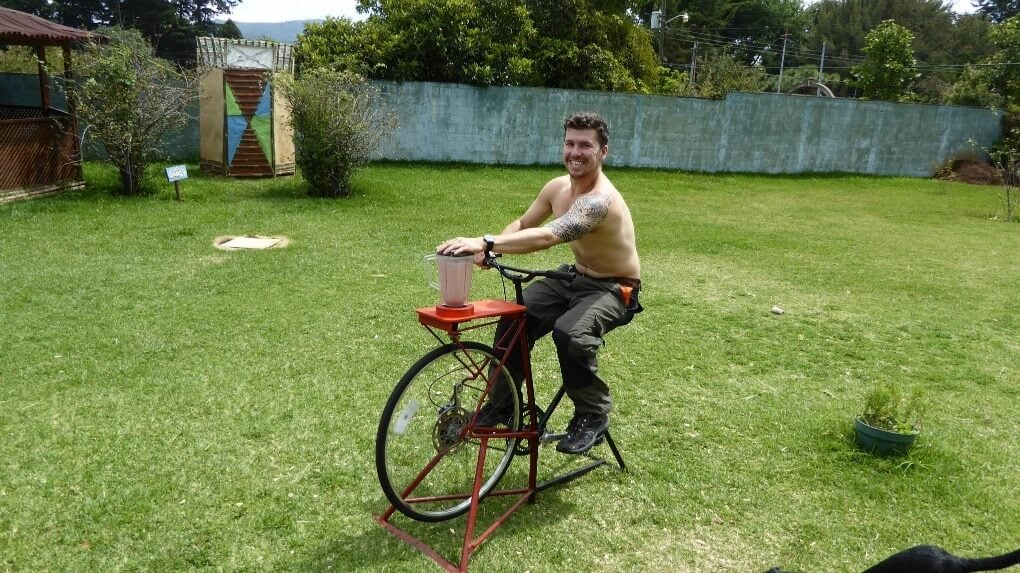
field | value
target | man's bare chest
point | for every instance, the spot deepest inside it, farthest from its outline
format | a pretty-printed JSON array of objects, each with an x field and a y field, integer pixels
[{"x": 564, "y": 201}]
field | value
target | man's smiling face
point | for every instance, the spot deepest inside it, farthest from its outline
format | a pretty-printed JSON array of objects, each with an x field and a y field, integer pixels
[{"x": 582, "y": 153}]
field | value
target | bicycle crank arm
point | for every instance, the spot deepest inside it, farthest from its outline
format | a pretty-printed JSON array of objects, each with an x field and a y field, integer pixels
[{"x": 550, "y": 437}]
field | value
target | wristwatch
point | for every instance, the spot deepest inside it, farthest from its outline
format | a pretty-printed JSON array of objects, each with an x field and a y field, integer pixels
[{"x": 490, "y": 242}]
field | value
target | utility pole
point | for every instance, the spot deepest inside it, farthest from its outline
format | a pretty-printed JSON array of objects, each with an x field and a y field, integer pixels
[
  {"x": 658, "y": 22},
  {"x": 694, "y": 61},
  {"x": 782, "y": 61},
  {"x": 662, "y": 34},
  {"x": 818, "y": 92}
]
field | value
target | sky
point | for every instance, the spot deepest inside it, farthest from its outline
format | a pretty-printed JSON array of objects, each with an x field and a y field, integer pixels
[{"x": 281, "y": 11}]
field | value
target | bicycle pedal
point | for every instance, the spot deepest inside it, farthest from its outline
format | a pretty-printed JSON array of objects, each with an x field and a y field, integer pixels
[{"x": 551, "y": 437}]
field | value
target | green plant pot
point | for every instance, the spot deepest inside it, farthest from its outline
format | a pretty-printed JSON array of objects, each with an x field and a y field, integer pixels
[{"x": 882, "y": 442}]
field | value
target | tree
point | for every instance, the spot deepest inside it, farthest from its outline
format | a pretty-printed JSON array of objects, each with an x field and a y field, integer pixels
[
  {"x": 996, "y": 83},
  {"x": 940, "y": 37},
  {"x": 890, "y": 66},
  {"x": 341, "y": 44},
  {"x": 997, "y": 10},
  {"x": 721, "y": 71},
  {"x": 129, "y": 101},
  {"x": 592, "y": 44},
  {"x": 470, "y": 41},
  {"x": 675, "y": 83},
  {"x": 171, "y": 35},
  {"x": 481, "y": 42},
  {"x": 973, "y": 88},
  {"x": 229, "y": 29},
  {"x": 24, "y": 60},
  {"x": 969, "y": 42},
  {"x": 844, "y": 25},
  {"x": 40, "y": 8},
  {"x": 1005, "y": 77},
  {"x": 753, "y": 30},
  {"x": 171, "y": 26},
  {"x": 338, "y": 121}
]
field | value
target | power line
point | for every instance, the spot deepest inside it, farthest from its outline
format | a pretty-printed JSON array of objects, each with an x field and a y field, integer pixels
[
  {"x": 707, "y": 38},
  {"x": 713, "y": 40},
  {"x": 923, "y": 65}
]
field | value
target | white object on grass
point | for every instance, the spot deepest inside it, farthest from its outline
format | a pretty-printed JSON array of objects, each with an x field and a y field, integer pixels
[{"x": 250, "y": 243}]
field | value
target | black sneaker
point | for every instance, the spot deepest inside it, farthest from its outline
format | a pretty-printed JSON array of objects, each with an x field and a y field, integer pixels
[
  {"x": 492, "y": 415},
  {"x": 583, "y": 432}
]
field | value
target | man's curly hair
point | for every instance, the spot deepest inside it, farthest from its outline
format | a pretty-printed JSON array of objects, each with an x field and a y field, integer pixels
[{"x": 588, "y": 120}]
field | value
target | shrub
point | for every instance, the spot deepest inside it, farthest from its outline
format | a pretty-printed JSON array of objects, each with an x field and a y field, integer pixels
[
  {"x": 23, "y": 60},
  {"x": 1006, "y": 159},
  {"x": 339, "y": 120},
  {"x": 674, "y": 82},
  {"x": 129, "y": 101},
  {"x": 973, "y": 88},
  {"x": 720, "y": 71}
]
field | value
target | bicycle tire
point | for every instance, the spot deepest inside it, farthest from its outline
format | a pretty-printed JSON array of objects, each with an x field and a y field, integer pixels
[{"x": 422, "y": 424}]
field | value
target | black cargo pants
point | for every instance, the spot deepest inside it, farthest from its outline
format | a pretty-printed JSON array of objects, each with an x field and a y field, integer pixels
[{"x": 578, "y": 313}]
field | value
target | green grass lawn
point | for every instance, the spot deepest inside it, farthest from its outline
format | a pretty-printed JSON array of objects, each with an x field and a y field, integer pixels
[{"x": 167, "y": 406}]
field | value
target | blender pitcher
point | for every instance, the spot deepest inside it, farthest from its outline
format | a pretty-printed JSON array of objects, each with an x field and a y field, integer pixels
[{"x": 454, "y": 277}]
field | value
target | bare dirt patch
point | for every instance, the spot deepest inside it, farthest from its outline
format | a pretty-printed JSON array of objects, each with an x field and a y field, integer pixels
[{"x": 969, "y": 171}]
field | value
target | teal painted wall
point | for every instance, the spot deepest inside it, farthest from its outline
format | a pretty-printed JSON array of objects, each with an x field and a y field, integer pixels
[
  {"x": 23, "y": 89},
  {"x": 746, "y": 132}
]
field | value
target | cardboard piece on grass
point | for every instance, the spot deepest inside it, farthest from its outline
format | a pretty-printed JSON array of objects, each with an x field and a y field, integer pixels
[{"x": 255, "y": 243}]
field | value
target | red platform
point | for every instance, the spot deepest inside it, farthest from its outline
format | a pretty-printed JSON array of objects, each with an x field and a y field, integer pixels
[{"x": 447, "y": 318}]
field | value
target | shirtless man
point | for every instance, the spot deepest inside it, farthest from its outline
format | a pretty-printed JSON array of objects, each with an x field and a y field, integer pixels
[{"x": 590, "y": 215}]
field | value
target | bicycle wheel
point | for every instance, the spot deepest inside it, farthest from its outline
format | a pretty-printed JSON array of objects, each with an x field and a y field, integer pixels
[{"x": 426, "y": 463}]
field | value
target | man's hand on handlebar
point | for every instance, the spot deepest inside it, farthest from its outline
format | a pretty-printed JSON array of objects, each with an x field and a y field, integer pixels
[
  {"x": 463, "y": 246},
  {"x": 476, "y": 246}
]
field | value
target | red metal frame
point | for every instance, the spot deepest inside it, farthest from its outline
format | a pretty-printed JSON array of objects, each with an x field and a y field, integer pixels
[{"x": 449, "y": 321}]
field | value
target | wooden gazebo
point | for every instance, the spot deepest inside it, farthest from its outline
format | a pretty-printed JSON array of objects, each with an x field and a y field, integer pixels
[{"x": 39, "y": 149}]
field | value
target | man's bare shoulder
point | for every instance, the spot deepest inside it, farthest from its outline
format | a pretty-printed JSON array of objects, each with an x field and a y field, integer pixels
[
  {"x": 604, "y": 185},
  {"x": 557, "y": 184}
]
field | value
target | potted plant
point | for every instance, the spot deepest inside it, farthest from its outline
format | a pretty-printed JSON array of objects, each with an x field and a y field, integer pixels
[{"x": 890, "y": 421}]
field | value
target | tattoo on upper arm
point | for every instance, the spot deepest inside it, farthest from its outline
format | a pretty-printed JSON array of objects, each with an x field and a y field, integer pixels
[{"x": 584, "y": 215}]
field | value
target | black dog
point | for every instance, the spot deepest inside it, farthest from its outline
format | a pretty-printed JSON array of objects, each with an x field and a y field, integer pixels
[{"x": 931, "y": 559}]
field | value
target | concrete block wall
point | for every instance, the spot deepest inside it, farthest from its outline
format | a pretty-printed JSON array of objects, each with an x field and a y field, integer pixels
[{"x": 746, "y": 132}]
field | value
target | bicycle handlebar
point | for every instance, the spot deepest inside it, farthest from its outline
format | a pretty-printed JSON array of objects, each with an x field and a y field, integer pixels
[{"x": 524, "y": 275}]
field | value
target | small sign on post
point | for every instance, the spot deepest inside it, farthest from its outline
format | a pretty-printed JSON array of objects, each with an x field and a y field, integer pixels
[{"x": 175, "y": 174}]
